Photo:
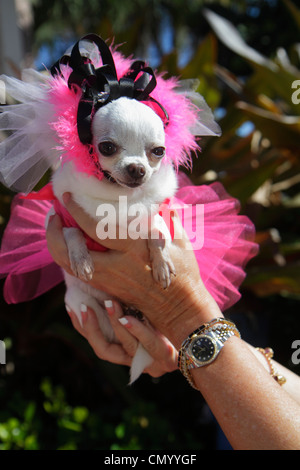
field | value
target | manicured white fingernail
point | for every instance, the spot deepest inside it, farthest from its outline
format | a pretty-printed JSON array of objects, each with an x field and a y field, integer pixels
[
  {"x": 83, "y": 308},
  {"x": 123, "y": 321},
  {"x": 68, "y": 308},
  {"x": 79, "y": 316},
  {"x": 108, "y": 303}
]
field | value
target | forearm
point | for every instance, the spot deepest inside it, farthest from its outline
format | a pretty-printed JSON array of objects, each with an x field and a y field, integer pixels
[
  {"x": 252, "y": 409},
  {"x": 292, "y": 385}
]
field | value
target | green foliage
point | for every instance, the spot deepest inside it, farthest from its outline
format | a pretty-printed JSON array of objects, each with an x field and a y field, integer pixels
[
  {"x": 23, "y": 425},
  {"x": 141, "y": 26},
  {"x": 19, "y": 433},
  {"x": 261, "y": 168}
]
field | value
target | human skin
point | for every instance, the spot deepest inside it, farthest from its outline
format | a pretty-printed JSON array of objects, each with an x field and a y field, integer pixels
[{"x": 252, "y": 409}]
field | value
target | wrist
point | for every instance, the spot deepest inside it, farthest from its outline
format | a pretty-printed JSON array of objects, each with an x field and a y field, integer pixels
[
  {"x": 203, "y": 345},
  {"x": 189, "y": 317}
]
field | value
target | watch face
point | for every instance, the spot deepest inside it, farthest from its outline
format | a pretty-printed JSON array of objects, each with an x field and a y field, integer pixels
[{"x": 203, "y": 349}]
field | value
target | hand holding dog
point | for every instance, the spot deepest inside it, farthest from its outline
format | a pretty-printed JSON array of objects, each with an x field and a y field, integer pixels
[
  {"x": 176, "y": 312},
  {"x": 124, "y": 272},
  {"x": 163, "y": 352},
  {"x": 130, "y": 335}
]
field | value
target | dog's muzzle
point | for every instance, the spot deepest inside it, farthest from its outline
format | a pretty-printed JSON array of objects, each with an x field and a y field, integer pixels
[{"x": 133, "y": 176}]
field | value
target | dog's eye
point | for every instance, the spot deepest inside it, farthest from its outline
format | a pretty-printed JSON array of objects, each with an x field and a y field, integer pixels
[
  {"x": 107, "y": 148},
  {"x": 158, "y": 152}
]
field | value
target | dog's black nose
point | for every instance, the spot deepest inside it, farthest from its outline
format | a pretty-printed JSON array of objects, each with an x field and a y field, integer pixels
[{"x": 136, "y": 171}]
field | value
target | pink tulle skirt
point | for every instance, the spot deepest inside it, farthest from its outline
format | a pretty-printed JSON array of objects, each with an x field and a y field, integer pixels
[{"x": 222, "y": 240}]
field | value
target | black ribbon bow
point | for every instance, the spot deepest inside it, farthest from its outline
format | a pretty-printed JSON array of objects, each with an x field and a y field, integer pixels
[{"x": 101, "y": 86}]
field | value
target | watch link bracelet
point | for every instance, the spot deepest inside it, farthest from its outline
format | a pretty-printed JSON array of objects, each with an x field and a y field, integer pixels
[{"x": 203, "y": 345}]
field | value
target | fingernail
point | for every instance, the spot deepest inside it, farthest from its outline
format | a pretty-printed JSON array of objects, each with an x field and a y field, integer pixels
[
  {"x": 109, "y": 306},
  {"x": 123, "y": 321},
  {"x": 83, "y": 311},
  {"x": 68, "y": 308},
  {"x": 66, "y": 197}
]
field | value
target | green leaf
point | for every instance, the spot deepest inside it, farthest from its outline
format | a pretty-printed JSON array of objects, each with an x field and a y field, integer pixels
[
  {"x": 295, "y": 12},
  {"x": 274, "y": 84},
  {"x": 120, "y": 431},
  {"x": 275, "y": 280},
  {"x": 80, "y": 414},
  {"x": 247, "y": 184},
  {"x": 282, "y": 131},
  {"x": 30, "y": 412},
  {"x": 230, "y": 36},
  {"x": 204, "y": 59},
  {"x": 68, "y": 424}
]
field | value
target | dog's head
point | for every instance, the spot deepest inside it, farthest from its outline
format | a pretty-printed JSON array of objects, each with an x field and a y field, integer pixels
[{"x": 129, "y": 139}]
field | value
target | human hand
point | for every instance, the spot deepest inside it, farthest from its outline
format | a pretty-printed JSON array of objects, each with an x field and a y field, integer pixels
[
  {"x": 124, "y": 272},
  {"x": 129, "y": 335}
]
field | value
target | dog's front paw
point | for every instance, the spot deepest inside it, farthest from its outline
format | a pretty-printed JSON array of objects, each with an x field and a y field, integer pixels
[
  {"x": 80, "y": 259},
  {"x": 158, "y": 244},
  {"x": 82, "y": 265},
  {"x": 162, "y": 268}
]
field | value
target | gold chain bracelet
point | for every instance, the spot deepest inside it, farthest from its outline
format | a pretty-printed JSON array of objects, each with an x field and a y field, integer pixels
[{"x": 268, "y": 353}]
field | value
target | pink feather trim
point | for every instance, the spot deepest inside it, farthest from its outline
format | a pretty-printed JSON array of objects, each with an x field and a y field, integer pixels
[
  {"x": 180, "y": 142},
  {"x": 65, "y": 102}
]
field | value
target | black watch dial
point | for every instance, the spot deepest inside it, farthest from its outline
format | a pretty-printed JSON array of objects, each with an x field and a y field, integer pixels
[{"x": 203, "y": 349}]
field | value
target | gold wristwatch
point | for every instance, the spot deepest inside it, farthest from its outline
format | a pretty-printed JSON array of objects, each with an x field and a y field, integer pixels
[{"x": 203, "y": 345}]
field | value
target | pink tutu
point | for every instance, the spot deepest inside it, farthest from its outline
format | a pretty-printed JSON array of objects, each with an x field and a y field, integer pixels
[
  {"x": 24, "y": 255},
  {"x": 223, "y": 244}
]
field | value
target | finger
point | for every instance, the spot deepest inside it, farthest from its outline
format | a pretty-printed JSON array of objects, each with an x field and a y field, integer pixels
[
  {"x": 115, "y": 313},
  {"x": 90, "y": 329},
  {"x": 155, "y": 344},
  {"x": 75, "y": 321},
  {"x": 105, "y": 350}
]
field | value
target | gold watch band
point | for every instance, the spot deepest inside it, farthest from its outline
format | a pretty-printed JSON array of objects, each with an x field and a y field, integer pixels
[{"x": 221, "y": 328}]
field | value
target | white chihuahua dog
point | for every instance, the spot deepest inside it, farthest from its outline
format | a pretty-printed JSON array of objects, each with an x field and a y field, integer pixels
[
  {"x": 129, "y": 138},
  {"x": 116, "y": 126}
]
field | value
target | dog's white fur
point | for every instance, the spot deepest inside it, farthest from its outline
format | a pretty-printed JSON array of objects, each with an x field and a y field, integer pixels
[{"x": 135, "y": 130}]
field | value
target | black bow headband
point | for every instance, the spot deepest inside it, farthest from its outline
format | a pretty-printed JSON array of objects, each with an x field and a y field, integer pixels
[{"x": 101, "y": 86}]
